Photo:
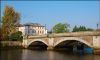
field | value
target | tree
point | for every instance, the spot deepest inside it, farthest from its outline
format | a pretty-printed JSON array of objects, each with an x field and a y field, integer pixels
[
  {"x": 75, "y": 29},
  {"x": 81, "y": 28},
  {"x": 60, "y": 28},
  {"x": 89, "y": 29},
  {"x": 0, "y": 34},
  {"x": 0, "y": 30},
  {"x": 0, "y": 22},
  {"x": 17, "y": 36},
  {"x": 9, "y": 20},
  {"x": 16, "y": 20}
]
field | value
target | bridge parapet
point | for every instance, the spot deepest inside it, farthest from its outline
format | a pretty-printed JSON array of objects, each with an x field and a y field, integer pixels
[
  {"x": 40, "y": 36},
  {"x": 69, "y": 34},
  {"x": 73, "y": 34}
]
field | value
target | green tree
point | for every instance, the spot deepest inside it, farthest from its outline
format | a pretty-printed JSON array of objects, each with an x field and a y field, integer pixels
[
  {"x": 60, "y": 28},
  {"x": 9, "y": 20},
  {"x": 81, "y": 28},
  {"x": 0, "y": 34},
  {"x": 17, "y": 36},
  {"x": 89, "y": 29},
  {"x": 75, "y": 29},
  {"x": 0, "y": 30}
]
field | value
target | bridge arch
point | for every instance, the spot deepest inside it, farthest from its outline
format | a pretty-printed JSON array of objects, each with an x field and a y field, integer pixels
[
  {"x": 73, "y": 38},
  {"x": 34, "y": 40}
]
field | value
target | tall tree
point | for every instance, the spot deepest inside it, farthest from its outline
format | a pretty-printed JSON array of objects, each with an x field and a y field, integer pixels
[
  {"x": 61, "y": 28},
  {"x": 0, "y": 29},
  {"x": 16, "y": 18},
  {"x": 9, "y": 19},
  {"x": 0, "y": 34}
]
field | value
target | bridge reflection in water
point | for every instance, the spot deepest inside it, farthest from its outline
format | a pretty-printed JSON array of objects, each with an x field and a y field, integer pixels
[{"x": 27, "y": 54}]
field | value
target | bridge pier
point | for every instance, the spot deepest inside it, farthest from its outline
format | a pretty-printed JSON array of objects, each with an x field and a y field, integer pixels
[
  {"x": 96, "y": 50},
  {"x": 50, "y": 48},
  {"x": 25, "y": 46},
  {"x": 50, "y": 45},
  {"x": 96, "y": 44}
]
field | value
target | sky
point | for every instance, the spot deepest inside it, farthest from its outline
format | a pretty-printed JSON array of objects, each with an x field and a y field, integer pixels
[{"x": 49, "y": 13}]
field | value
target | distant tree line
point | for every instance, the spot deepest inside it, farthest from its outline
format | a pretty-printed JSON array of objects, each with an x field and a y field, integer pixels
[
  {"x": 64, "y": 27},
  {"x": 81, "y": 28}
]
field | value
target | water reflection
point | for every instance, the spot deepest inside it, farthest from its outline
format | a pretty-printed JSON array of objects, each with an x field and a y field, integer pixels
[
  {"x": 51, "y": 55},
  {"x": 10, "y": 54},
  {"x": 26, "y": 54}
]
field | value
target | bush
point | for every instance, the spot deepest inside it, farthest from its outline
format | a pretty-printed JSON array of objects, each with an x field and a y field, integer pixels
[{"x": 17, "y": 36}]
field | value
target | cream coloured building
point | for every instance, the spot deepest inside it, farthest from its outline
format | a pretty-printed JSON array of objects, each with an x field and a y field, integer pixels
[{"x": 32, "y": 29}]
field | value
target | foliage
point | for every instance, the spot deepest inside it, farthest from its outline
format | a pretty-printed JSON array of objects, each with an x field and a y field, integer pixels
[
  {"x": 81, "y": 28},
  {"x": 0, "y": 29},
  {"x": 0, "y": 34},
  {"x": 89, "y": 29},
  {"x": 16, "y": 20},
  {"x": 9, "y": 20},
  {"x": 17, "y": 36},
  {"x": 60, "y": 28}
]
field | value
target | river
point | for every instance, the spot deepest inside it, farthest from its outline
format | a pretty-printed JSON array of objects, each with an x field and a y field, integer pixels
[{"x": 26, "y": 54}]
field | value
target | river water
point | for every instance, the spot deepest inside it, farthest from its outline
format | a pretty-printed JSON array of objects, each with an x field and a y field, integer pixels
[{"x": 26, "y": 54}]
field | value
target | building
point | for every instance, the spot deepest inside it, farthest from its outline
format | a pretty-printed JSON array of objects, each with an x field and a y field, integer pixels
[
  {"x": 21, "y": 28},
  {"x": 32, "y": 29}
]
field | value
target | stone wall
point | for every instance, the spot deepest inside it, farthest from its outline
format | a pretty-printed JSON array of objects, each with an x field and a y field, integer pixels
[
  {"x": 10, "y": 43},
  {"x": 96, "y": 44}
]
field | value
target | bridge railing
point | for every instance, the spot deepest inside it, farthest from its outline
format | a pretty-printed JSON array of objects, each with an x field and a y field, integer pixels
[
  {"x": 86, "y": 33},
  {"x": 37, "y": 36},
  {"x": 69, "y": 34}
]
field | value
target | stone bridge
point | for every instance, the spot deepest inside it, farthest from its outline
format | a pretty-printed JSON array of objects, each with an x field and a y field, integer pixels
[{"x": 90, "y": 38}]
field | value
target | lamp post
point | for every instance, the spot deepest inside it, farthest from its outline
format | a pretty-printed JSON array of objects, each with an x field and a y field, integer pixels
[{"x": 98, "y": 26}]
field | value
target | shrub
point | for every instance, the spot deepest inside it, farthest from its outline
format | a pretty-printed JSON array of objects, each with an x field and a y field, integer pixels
[{"x": 17, "y": 36}]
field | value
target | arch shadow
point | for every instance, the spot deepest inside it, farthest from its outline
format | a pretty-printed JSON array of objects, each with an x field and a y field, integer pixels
[
  {"x": 37, "y": 40},
  {"x": 75, "y": 39}
]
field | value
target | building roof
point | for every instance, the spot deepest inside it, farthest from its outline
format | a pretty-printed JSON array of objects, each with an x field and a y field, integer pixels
[
  {"x": 33, "y": 24},
  {"x": 19, "y": 25}
]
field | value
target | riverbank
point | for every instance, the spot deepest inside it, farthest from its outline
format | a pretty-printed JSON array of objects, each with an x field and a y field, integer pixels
[{"x": 10, "y": 45}]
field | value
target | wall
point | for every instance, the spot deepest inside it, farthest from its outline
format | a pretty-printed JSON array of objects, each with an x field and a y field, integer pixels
[
  {"x": 96, "y": 42},
  {"x": 11, "y": 43},
  {"x": 22, "y": 29}
]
